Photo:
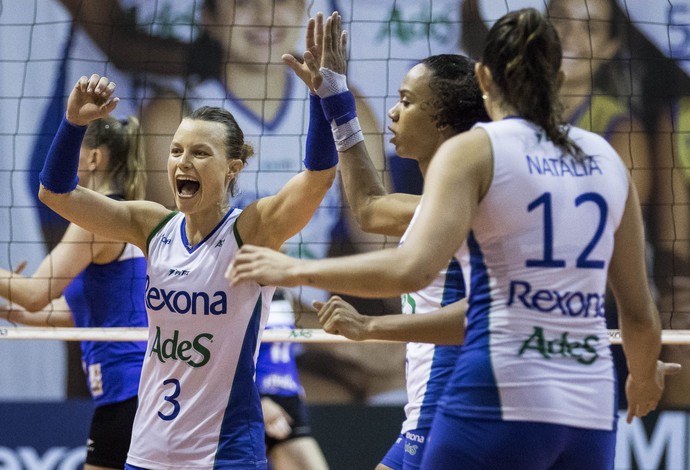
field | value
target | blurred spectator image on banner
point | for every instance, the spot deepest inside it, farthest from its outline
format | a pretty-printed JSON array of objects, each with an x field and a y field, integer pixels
[{"x": 626, "y": 65}]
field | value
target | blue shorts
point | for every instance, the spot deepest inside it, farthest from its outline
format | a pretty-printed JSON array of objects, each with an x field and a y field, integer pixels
[
  {"x": 513, "y": 445},
  {"x": 407, "y": 452}
]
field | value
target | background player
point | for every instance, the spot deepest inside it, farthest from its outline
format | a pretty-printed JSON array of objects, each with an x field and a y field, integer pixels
[{"x": 90, "y": 280}]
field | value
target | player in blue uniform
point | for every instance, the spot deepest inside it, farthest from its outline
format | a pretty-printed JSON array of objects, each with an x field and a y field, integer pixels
[
  {"x": 91, "y": 281},
  {"x": 541, "y": 217}
]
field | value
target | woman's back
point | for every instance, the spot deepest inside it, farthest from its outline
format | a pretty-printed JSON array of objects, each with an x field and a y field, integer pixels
[{"x": 537, "y": 258}]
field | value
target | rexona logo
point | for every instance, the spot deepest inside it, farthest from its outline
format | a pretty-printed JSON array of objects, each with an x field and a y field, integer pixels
[
  {"x": 183, "y": 302},
  {"x": 193, "y": 352},
  {"x": 568, "y": 303}
]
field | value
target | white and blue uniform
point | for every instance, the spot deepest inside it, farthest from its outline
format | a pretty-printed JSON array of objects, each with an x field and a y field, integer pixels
[
  {"x": 199, "y": 406},
  {"x": 110, "y": 295},
  {"x": 536, "y": 346},
  {"x": 279, "y": 151},
  {"x": 428, "y": 366}
]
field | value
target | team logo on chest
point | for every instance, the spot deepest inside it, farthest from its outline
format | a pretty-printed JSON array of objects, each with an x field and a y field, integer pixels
[
  {"x": 194, "y": 352},
  {"x": 186, "y": 302}
]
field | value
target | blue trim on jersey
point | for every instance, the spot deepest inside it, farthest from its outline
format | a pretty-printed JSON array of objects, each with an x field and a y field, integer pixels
[
  {"x": 242, "y": 431},
  {"x": 445, "y": 357},
  {"x": 183, "y": 232},
  {"x": 454, "y": 286},
  {"x": 472, "y": 389},
  {"x": 282, "y": 109}
]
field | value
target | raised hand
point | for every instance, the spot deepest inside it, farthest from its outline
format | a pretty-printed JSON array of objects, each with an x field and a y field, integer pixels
[
  {"x": 334, "y": 45},
  {"x": 91, "y": 98},
  {"x": 324, "y": 49},
  {"x": 314, "y": 43}
]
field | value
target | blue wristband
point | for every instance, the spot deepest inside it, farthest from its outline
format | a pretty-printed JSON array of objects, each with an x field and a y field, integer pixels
[
  {"x": 341, "y": 113},
  {"x": 59, "y": 174},
  {"x": 321, "y": 153},
  {"x": 340, "y": 108}
]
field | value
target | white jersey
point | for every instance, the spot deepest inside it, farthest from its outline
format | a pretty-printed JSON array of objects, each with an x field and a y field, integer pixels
[
  {"x": 536, "y": 345},
  {"x": 279, "y": 151},
  {"x": 198, "y": 403},
  {"x": 428, "y": 366}
]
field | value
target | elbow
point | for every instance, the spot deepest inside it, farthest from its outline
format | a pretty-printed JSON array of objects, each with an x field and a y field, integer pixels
[
  {"x": 412, "y": 280},
  {"x": 412, "y": 270},
  {"x": 330, "y": 176},
  {"x": 364, "y": 221},
  {"x": 45, "y": 196},
  {"x": 50, "y": 198},
  {"x": 321, "y": 181},
  {"x": 369, "y": 221},
  {"x": 34, "y": 305}
]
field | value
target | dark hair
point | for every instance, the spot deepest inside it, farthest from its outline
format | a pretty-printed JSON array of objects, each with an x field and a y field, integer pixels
[
  {"x": 124, "y": 141},
  {"x": 457, "y": 98},
  {"x": 236, "y": 147},
  {"x": 523, "y": 53}
]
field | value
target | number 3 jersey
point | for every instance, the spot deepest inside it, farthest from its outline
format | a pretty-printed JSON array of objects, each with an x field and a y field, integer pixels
[
  {"x": 536, "y": 260},
  {"x": 198, "y": 404}
]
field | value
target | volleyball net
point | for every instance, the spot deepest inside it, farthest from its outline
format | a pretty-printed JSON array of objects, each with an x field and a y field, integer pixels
[
  {"x": 626, "y": 64},
  {"x": 283, "y": 335}
]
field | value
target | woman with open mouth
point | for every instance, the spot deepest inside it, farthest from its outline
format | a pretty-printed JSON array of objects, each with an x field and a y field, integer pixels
[{"x": 198, "y": 402}]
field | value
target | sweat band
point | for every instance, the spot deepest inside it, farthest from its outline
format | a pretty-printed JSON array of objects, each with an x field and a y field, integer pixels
[
  {"x": 341, "y": 112},
  {"x": 321, "y": 153},
  {"x": 59, "y": 173}
]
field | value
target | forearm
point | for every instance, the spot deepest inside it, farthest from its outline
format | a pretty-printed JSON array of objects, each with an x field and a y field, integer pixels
[
  {"x": 641, "y": 337},
  {"x": 445, "y": 326},
  {"x": 374, "y": 274},
  {"x": 29, "y": 293},
  {"x": 54, "y": 315},
  {"x": 360, "y": 181}
]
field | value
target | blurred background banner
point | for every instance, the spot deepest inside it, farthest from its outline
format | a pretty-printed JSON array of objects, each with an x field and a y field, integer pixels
[{"x": 626, "y": 63}]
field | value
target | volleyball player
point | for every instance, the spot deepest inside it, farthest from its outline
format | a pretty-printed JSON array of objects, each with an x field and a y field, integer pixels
[
  {"x": 541, "y": 216},
  {"x": 439, "y": 98},
  {"x": 198, "y": 402},
  {"x": 89, "y": 280}
]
